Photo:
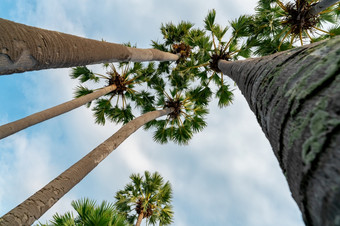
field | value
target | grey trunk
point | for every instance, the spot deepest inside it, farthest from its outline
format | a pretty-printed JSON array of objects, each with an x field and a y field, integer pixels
[
  {"x": 16, "y": 126},
  {"x": 322, "y": 6},
  {"x": 26, "y": 48},
  {"x": 35, "y": 206},
  {"x": 295, "y": 96}
]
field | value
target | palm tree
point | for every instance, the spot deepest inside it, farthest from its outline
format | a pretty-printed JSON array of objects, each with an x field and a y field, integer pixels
[
  {"x": 115, "y": 86},
  {"x": 149, "y": 196},
  {"x": 295, "y": 97},
  {"x": 185, "y": 115},
  {"x": 26, "y": 48},
  {"x": 201, "y": 50},
  {"x": 36, "y": 205},
  {"x": 89, "y": 213},
  {"x": 277, "y": 26}
]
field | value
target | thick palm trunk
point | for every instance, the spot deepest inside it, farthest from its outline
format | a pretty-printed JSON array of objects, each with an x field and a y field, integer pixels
[
  {"x": 36, "y": 205},
  {"x": 322, "y": 6},
  {"x": 139, "y": 219},
  {"x": 295, "y": 96},
  {"x": 16, "y": 126},
  {"x": 26, "y": 48}
]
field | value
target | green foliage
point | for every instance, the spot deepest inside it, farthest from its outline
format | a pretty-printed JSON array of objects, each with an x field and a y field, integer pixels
[
  {"x": 83, "y": 74},
  {"x": 82, "y": 91},
  {"x": 186, "y": 119},
  {"x": 224, "y": 95},
  {"x": 147, "y": 194},
  {"x": 89, "y": 213},
  {"x": 175, "y": 34},
  {"x": 188, "y": 85},
  {"x": 120, "y": 115},
  {"x": 114, "y": 106},
  {"x": 209, "y": 20},
  {"x": 279, "y": 26},
  {"x": 101, "y": 110}
]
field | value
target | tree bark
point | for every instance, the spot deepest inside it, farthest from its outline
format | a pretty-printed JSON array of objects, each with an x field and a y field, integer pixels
[
  {"x": 322, "y": 6},
  {"x": 295, "y": 96},
  {"x": 139, "y": 219},
  {"x": 35, "y": 206},
  {"x": 16, "y": 126},
  {"x": 26, "y": 48}
]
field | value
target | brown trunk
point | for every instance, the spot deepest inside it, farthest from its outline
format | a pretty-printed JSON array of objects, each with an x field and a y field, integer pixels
[
  {"x": 26, "y": 48},
  {"x": 295, "y": 96},
  {"x": 35, "y": 206},
  {"x": 16, "y": 126},
  {"x": 139, "y": 219}
]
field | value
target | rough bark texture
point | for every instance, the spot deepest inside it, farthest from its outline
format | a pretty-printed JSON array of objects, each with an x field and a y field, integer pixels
[
  {"x": 16, "y": 126},
  {"x": 35, "y": 206},
  {"x": 322, "y": 6},
  {"x": 295, "y": 96},
  {"x": 26, "y": 48}
]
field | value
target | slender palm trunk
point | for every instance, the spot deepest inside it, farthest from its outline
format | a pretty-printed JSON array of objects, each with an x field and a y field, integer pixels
[
  {"x": 36, "y": 205},
  {"x": 295, "y": 96},
  {"x": 139, "y": 219},
  {"x": 322, "y": 6},
  {"x": 26, "y": 48},
  {"x": 16, "y": 126}
]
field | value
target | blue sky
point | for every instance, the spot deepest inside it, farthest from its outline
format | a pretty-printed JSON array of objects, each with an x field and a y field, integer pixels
[{"x": 227, "y": 175}]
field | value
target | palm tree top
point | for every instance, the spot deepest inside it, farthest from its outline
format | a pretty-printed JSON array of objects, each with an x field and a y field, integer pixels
[
  {"x": 115, "y": 106},
  {"x": 279, "y": 26},
  {"x": 146, "y": 197},
  {"x": 89, "y": 213}
]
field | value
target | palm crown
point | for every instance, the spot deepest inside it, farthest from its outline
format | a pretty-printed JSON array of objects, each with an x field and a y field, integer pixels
[
  {"x": 188, "y": 84},
  {"x": 89, "y": 213},
  {"x": 278, "y": 26},
  {"x": 148, "y": 196},
  {"x": 115, "y": 106}
]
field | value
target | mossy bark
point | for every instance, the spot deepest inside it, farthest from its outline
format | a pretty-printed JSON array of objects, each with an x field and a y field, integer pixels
[
  {"x": 26, "y": 48},
  {"x": 295, "y": 96},
  {"x": 35, "y": 206},
  {"x": 18, "y": 125}
]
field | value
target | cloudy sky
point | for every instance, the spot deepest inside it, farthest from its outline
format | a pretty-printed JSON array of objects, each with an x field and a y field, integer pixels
[{"x": 227, "y": 175}]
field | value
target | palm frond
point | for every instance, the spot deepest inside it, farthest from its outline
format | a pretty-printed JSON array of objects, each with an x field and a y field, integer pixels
[{"x": 84, "y": 74}]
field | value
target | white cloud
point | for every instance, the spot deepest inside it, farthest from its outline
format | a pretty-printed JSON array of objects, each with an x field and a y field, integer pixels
[
  {"x": 227, "y": 175},
  {"x": 25, "y": 168}
]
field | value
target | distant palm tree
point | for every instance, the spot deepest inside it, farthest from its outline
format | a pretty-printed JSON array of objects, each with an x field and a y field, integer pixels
[
  {"x": 149, "y": 197},
  {"x": 26, "y": 48},
  {"x": 89, "y": 213}
]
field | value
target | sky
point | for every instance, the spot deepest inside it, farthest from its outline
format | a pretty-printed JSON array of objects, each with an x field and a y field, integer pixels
[{"x": 227, "y": 175}]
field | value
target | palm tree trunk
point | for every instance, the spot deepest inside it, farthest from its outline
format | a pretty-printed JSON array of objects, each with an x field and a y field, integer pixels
[
  {"x": 295, "y": 96},
  {"x": 26, "y": 48},
  {"x": 16, "y": 126},
  {"x": 36, "y": 205},
  {"x": 321, "y": 6},
  {"x": 139, "y": 219}
]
